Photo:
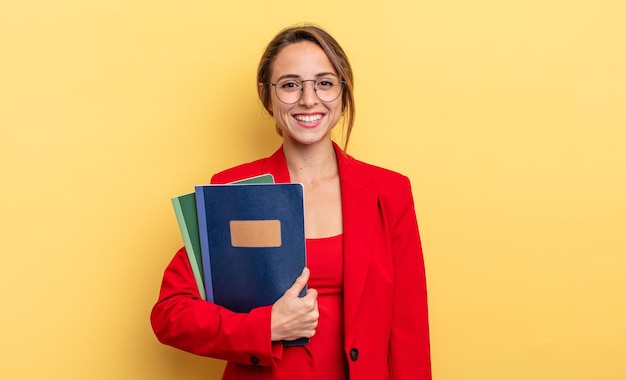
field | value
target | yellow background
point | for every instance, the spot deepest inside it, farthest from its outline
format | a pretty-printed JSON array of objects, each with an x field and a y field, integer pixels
[{"x": 508, "y": 116}]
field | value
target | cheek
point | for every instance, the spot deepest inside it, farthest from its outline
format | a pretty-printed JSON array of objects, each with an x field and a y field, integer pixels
[
  {"x": 275, "y": 106},
  {"x": 339, "y": 109},
  {"x": 280, "y": 115},
  {"x": 280, "y": 109}
]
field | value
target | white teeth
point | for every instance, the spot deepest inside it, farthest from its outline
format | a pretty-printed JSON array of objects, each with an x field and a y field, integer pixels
[{"x": 308, "y": 118}]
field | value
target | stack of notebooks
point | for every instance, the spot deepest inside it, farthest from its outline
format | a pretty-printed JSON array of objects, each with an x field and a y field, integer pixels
[{"x": 245, "y": 241}]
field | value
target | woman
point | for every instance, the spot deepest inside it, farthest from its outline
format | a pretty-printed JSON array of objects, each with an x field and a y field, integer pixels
[{"x": 365, "y": 309}]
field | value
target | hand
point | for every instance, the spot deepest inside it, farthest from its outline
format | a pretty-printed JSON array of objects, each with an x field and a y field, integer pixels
[{"x": 294, "y": 317}]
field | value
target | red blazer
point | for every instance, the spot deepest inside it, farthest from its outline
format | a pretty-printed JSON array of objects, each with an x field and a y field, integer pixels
[{"x": 385, "y": 310}]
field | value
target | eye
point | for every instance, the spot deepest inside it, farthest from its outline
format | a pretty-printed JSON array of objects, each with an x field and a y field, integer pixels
[
  {"x": 288, "y": 85},
  {"x": 326, "y": 83}
]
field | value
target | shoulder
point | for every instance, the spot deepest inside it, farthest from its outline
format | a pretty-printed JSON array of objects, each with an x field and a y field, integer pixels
[
  {"x": 386, "y": 180},
  {"x": 274, "y": 164},
  {"x": 246, "y": 170},
  {"x": 391, "y": 189}
]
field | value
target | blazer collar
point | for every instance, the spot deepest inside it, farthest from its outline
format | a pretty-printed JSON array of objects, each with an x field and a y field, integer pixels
[
  {"x": 350, "y": 170},
  {"x": 276, "y": 164}
]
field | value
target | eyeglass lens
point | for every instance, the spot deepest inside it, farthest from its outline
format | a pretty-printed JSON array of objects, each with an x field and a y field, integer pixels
[{"x": 290, "y": 90}]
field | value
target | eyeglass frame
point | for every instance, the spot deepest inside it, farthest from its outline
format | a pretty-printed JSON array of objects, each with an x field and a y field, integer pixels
[{"x": 343, "y": 82}]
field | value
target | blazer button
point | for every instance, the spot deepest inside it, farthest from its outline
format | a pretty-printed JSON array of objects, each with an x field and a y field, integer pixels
[
  {"x": 254, "y": 360},
  {"x": 354, "y": 354}
]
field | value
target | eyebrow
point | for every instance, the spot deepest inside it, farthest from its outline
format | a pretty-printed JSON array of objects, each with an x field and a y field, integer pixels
[{"x": 299, "y": 77}]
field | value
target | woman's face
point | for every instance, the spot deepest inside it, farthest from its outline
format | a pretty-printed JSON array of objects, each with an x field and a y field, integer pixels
[{"x": 309, "y": 120}]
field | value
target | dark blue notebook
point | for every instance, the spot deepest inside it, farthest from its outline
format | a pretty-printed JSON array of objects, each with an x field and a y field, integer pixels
[{"x": 252, "y": 242}]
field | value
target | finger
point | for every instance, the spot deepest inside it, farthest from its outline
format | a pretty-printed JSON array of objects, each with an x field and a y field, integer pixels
[
  {"x": 310, "y": 301},
  {"x": 311, "y": 293},
  {"x": 300, "y": 283}
]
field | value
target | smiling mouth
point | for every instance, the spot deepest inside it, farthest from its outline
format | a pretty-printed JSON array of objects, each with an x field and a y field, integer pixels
[{"x": 308, "y": 118}]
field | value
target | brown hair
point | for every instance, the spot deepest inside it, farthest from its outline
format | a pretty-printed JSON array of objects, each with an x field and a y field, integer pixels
[{"x": 335, "y": 53}]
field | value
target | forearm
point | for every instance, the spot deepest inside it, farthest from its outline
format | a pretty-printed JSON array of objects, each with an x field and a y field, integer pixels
[{"x": 181, "y": 319}]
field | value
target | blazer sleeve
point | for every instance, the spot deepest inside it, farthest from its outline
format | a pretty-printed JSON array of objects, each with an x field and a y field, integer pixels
[
  {"x": 180, "y": 318},
  {"x": 409, "y": 342}
]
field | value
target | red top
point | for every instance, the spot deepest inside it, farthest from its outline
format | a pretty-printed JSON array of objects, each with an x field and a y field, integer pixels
[{"x": 325, "y": 260}]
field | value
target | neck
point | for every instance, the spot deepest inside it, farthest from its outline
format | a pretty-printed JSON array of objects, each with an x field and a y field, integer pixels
[{"x": 309, "y": 164}]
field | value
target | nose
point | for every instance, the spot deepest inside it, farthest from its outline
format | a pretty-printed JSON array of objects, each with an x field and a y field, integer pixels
[{"x": 309, "y": 96}]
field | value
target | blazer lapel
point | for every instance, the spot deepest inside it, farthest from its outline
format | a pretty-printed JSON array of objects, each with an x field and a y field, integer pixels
[
  {"x": 276, "y": 164},
  {"x": 360, "y": 207}
]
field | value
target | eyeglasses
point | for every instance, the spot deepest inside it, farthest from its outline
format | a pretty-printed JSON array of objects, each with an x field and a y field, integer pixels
[{"x": 290, "y": 90}]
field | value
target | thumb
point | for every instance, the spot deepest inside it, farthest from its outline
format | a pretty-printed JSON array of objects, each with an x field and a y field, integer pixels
[{"x": 300, "y": 283}]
